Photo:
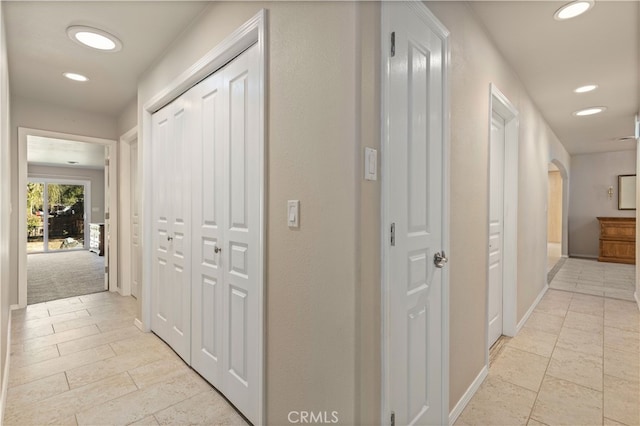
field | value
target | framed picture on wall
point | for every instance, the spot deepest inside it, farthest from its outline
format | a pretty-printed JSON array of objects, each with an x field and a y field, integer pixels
[{"x": 626, "y": 192}]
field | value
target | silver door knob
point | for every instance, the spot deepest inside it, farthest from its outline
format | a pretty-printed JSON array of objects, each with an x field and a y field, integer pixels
[
  {"x": 440, "y": 259},
  {"x": 217, "y": 249}
]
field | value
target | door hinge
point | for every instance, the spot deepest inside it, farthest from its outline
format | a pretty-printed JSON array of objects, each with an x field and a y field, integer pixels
[
  {"x": 106, "y": 162},
  {"x": 393, "y": 44},
  {"x": 106, "y": 269},
  {"x": 106, "y": 215},
  {"x": 393, "y": 418},
  {"x": 393, "y": 234}
]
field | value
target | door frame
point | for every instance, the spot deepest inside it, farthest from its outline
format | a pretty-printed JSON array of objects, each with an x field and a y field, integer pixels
[
  {"x": 252, "y": 32},
  {"x": 441, "y": 31},
  {"x": 112, "y": 248},
  {"x": 126, "y": 209},
  {"x": 64, "y": 180},
  {"x": 501, "y": 105},
  {"x": 564, "y": 250}
]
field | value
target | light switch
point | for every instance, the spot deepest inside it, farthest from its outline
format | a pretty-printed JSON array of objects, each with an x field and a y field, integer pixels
[
  {"x": 293, "y": 213},
  {"x": 370, "y": 164}
]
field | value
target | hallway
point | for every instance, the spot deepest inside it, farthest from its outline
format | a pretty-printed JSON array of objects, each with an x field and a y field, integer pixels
[
  {"x": 575, "y": 362},
  {"x": 81, "y": 361}
]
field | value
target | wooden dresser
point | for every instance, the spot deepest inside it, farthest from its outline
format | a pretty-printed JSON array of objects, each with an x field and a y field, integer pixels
[{"x": 617, "y": 239}]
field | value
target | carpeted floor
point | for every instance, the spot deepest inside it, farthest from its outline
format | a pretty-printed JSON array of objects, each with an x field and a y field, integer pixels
[{"x": 52, "y": 276}]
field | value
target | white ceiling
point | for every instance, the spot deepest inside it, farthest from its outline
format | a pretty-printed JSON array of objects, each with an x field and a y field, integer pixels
[
  {"x": 57, "y": 152},
  {"x": 552, "y": 58},
  {"x": 40, "y": 51}
]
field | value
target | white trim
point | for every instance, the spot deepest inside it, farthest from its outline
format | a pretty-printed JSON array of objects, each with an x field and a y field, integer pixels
[
  {"x": 254, "y": 31},
  {"x": 5, "y": 376},
  {"x": 138, "y": 324},
  {"x": 125, "y": 210},
  {"x": 583, "y": 256},
  {"x": 466, "y": 397},
  {"x": 499, "y": 104},
  {"x": 527, "y": 314},
  {"x": 23, "y": 132},
  {"x": 635, "y": 295},
  {"x": 443, "y": 33}
]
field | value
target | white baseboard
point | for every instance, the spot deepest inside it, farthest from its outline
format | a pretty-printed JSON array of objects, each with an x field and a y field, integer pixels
[
  {"x": 5, "y": 375},
  {"x": 473, "y": 388},
  {"x": 138, "y": 324},
  {"x": 583, "y": 256},
  {"x": 531, "y": 308}
]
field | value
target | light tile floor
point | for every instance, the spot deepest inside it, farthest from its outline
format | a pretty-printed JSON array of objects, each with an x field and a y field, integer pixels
[
  {"x": 81, "y": 361},
  {"x": 575, "y": 362},
  {"x": 585, "y": 276}
]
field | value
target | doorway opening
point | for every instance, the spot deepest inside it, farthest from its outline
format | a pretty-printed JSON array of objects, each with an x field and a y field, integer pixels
[
  {"x": 503, "y": 219},
  {"x": 554, "y": 216},
  {"x": 66, "y": 189}
]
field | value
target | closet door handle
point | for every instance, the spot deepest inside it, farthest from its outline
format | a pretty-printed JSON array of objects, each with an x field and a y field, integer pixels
[
  {"x": 217, "y": 249},
  {"x": 169, "y": 238}
]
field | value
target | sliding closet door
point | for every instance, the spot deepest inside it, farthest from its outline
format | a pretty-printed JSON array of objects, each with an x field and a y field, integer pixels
[
  {"x": 208, "y": 216},
  {"x": 171, "y": 301}
]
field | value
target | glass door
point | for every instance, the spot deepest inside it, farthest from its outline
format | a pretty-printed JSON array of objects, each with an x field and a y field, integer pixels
[
  {"x": 66, "y": 216},
  {"x": 55, "y": 216}
]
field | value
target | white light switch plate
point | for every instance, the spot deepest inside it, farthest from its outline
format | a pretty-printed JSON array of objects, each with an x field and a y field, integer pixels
[
  {"x": 370, "y": 164},
  {"x": 293, "y": 213}
]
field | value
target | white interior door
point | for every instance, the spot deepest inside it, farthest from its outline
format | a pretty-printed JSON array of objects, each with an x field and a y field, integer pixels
[
  {"x": 496, "y": 227},
  {"x": 171, "y": 301},
  {"x": 415, "y": 206},
  {"x": 208, "y": 227},
  {"x": 136, "y": 253},
  {"x": 207, "y": 143}
]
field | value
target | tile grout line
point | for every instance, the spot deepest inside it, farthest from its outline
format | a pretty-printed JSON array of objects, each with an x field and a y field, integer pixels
[{"x": 535, "y": 401}]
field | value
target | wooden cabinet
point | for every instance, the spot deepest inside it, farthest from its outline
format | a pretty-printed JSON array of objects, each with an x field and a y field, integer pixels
[
  {"x": 96, "y": 238},
  {"x": 617, "y": 239}
]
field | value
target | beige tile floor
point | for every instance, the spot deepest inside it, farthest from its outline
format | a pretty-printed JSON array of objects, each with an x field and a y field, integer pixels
[
  {"x": 81, "y": 361},
  {"x": 575, "y": 362},
  {"x": 596, "y": 278}
]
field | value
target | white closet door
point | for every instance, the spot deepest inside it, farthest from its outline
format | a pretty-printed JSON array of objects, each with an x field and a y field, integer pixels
[
  {"x": 208, "y": 207},
  {"x": 171, "y": 309},
  {"x": 240, "y": 256}
]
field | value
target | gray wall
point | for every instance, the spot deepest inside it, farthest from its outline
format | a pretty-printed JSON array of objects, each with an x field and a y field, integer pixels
[
  {"x": 95, "y": 176},
  {"x": 591, "y": 176}
]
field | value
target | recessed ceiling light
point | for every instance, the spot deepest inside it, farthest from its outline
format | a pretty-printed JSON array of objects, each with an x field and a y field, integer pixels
[
  {"x": 573, "y": 9},
  {"x": 586, "y": 88},
  {"x": 589, "y": 111},
  {"x": 94, "y": 38},
  {"x": 75, "y": 77}
]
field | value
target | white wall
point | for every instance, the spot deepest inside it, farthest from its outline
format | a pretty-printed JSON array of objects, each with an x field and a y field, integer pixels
[
  {"x": 95, "y": 176},
  {"x": 39, "y": 115},
  {"x": 5, "y": 204},
  {"x": 476, "y": 63},
  {"x": 591, "y": 176}
]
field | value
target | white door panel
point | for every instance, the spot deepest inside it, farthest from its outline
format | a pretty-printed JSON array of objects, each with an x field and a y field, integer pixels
[
  {"x": 415, "y": 97},
  {"x": 207, "y": 295},
  {"x": 172, "y": 317},
  {"x": 208, "y": 187},
  {"x": 496, "y": 226}
]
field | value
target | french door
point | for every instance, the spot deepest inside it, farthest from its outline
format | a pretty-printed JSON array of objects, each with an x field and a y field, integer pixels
[{"x": 206, "y": 295}]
